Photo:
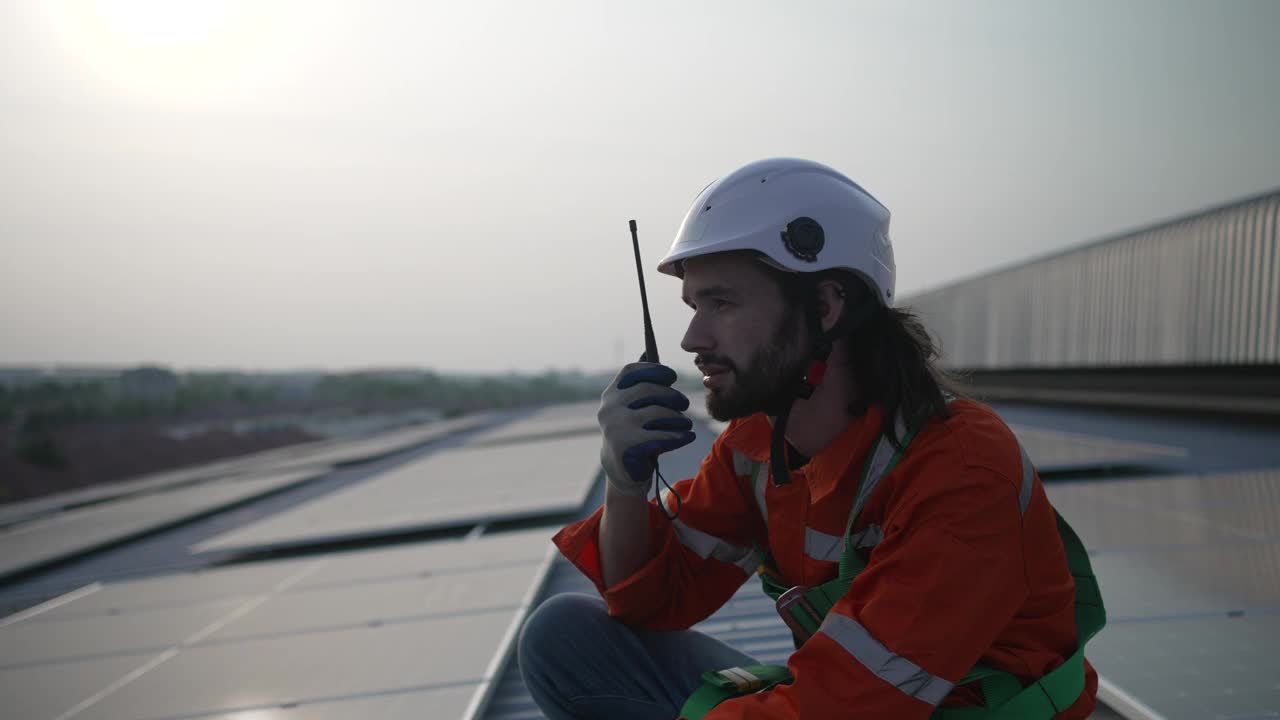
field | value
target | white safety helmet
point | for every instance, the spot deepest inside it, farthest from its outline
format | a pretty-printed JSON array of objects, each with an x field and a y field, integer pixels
[{"x": 800, "y": 215}]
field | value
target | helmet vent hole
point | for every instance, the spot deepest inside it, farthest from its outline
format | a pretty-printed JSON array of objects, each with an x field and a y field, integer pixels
[{"x": 706, "y": 208}]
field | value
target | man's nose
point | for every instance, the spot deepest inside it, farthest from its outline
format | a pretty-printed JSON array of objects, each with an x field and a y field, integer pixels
[{"x": 697, "y": 338}]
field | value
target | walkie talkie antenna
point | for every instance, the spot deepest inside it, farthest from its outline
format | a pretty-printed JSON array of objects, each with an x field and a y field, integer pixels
[
  {"x": 651, "y": 355},
  {"x": 650, "y": 344}
]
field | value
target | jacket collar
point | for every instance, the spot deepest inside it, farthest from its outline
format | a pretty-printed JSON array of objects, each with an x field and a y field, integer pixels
[{"x": 826, "y": 470}]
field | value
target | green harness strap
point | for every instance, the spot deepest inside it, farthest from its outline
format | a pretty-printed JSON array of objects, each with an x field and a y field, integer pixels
[
  {"x": 1061, "y": 687},
  {"x": 1006, "y": 698},
  {"x": 720, "y": 685},
  {"x": 819, "y": 600}
]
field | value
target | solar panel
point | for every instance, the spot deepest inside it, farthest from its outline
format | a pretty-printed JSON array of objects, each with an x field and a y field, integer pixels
[
  {"x": 316, "y": 455},
  {"x": 1209, "y": 579},
  {"x": 450, "y": 487},
  {"x": 14, "y": 513},
  {"x": 1196, "y": 668},
  {"x": 1190, "y": 569},
  {"x": 558, "y": 420},
  {"x": 373, "y": 603},
  {"x": 1051, "y": 450},
  {"x": 76, "y": 531},
  {"x": 169, "y": 591},
  {"x": 349, "y": 452},
  {"x": 268, "y": 673},
  {"x": 1239, "y": 504},
  {"x": 1059, "y": 451},
  {"x": 1104, "y": 525},
  {"x": 85, "y": 637},
  {"x": 430, "y": 559},
  {"x": 409, "y": 630},
  {"x": 450, "y": 702},
  {"x": 214, "y": 585},
  {"x": 45, "y": 692}
]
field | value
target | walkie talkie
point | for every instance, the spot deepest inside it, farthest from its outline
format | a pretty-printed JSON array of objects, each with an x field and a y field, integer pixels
[
  {"x": 650, "y": 344},
  {"x": 650, "y": 355}
]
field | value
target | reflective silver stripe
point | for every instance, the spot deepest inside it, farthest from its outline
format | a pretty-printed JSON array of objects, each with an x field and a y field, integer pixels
[
  {"x": 880, "y": 458},
  {"x": 664, "y": 498},
  {"x": 1028, "y": 480},
  {"x": 869, "y": 536},
  {"x": 708, "y": 546},
  {"x": 900, "y": 426},
  {"x": 745, "y": 466},
  {"x": 893, "y": 669},
  {"x": 760, "y": 480},
  {"x": 743, "y": 679},
  {"x": 821, "y": 546},
  {"x": 828, "y": 548}
]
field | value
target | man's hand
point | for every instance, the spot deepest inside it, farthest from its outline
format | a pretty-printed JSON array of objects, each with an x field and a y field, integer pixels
[{"x": 641, "y": 416}]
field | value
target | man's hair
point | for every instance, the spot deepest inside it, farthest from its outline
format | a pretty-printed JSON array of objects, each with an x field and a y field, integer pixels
[{"x": 893, "y": 360}]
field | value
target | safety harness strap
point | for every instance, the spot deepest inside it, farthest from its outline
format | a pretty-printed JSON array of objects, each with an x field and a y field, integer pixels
[
  {"x": 804, "y": 609},
  {"x": 720, "y": 685},
  {"x": 1060, "y": 688}
]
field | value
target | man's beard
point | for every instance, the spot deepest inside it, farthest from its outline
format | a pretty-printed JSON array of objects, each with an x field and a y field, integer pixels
[{"x": 769, "y": 381}]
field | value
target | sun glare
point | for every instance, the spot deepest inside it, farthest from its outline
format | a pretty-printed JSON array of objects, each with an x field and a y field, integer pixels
[{"x": 184, "y": 50}]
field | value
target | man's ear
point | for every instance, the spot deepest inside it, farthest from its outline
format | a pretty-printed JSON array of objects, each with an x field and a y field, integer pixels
[{"x": 832, "y": 302}]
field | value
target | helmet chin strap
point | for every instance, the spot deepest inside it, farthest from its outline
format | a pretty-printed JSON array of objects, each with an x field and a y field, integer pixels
[{"x": 778, "y": 463}]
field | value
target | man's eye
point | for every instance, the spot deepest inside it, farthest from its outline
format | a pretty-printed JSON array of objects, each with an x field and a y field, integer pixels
[{"x": 712, "y": 304}]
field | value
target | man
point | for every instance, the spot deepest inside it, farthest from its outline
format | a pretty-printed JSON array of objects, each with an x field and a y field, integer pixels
[{"x": 928, "y": 568}]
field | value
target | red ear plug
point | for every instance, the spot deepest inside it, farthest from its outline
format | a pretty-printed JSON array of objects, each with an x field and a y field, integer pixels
[{"x": 817, "y": 371}]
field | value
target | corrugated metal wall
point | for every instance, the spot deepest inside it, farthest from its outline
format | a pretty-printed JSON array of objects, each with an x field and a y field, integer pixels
[{"x": 1200, "y": 290}]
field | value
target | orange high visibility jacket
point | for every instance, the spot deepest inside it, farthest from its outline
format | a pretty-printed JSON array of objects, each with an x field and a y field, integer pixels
[{"x": 962, "y": 567}]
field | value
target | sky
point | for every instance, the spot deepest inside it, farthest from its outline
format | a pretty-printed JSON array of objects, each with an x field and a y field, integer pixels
[{"x": 267, "y": 185}]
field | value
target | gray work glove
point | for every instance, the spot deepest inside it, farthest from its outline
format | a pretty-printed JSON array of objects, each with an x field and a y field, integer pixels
[{"x": 641, "y": 417}]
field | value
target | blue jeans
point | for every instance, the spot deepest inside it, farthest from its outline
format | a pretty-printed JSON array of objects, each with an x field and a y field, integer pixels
[{"x": 580, "y": 663}]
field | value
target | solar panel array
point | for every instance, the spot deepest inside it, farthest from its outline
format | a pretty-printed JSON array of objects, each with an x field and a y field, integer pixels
[
  {"x": 1189, "y": 565},
  {"x": 408, "y": 632},
  {"x": 317, "y": 455},
  {"x": 47, "y": 530}
]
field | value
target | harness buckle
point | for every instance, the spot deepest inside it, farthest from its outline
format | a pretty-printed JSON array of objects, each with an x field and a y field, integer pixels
[
  {"x": 799, "y": 614},
  {"x": 743, "y": 681}
]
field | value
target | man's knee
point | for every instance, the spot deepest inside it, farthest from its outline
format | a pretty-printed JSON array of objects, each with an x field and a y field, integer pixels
[{"x": 553, "y": 624}]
